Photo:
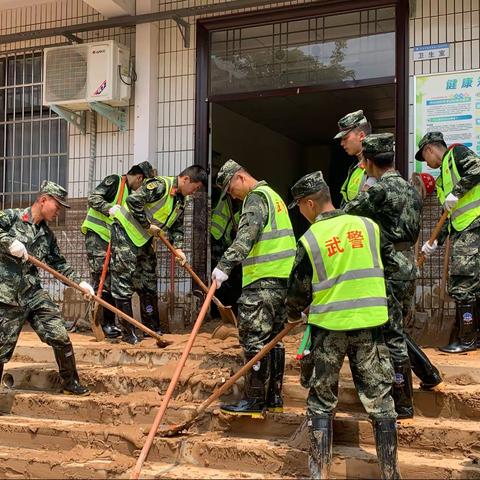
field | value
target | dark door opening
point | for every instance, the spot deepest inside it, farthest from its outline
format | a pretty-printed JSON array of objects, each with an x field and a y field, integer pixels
[{"x": 281, "y": 138}]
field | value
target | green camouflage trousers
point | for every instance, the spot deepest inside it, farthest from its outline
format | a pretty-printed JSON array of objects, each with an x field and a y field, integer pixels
[
  {"x": 44, "y": 317},
  {"x": 96, "y": 251},
  {"x": 464, "y": 278},
  {"x": 261, "y": 316},
  {"x": 399, "y": 300},
  {"x": 370, "y": 365},
  {"x": 132, "y": 268}
]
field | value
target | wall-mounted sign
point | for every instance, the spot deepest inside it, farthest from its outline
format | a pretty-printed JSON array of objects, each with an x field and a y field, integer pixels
[
  {"x": 448, "y": 103},
  {"x": 430, "y": 52}
]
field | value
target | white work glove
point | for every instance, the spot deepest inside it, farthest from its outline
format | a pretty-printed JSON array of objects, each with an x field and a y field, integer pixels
[
  {"x": 89, "y": 288},
  {"x": 219, "y": 277},
  {"x": 181, "y": 258},
  {"x": 17, "y": 249},
  {"x": 154, "y": 230},
  {"x": 450, "y": 202},
  {"x": 113, "y": 210},
  {"x": 428, "y": 249}
]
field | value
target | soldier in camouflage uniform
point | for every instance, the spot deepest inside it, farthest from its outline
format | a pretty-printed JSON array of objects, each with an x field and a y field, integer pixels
[
  {"x": 458, "y": 189},
  {"x": 353, "y": 128},
  {"x": 23, "y": 232},
  {"x": 338, "y": 275},
  {"x": 157, "y": 205},
  {"x": 395, "y": 206},
  {"x": 265, "y": 247},
  {"x": 223, "y": 229},
  {"x": 102, "y": 203}
]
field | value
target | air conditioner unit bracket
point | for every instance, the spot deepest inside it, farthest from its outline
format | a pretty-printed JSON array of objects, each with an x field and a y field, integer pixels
[
  {"x": 75, "y": 118},
  {"x": 115, "y": 115}
]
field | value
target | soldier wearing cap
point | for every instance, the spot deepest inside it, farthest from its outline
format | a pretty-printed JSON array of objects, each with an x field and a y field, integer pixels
[
  {"x": 103, "y": 202},
  {"x": 265, "y": 247},
  {"x": 157, "y": 205},
  {"x": 22, "y": 298},
  {"x": 337, "y": 256},
  {"x": 458, "y": 189},
  {"x": 395, "y": 205},
  {"x": 353, "y": 128}
]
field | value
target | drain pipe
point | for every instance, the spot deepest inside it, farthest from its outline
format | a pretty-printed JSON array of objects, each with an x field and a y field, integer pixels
[{"x": 93, "y": 151}]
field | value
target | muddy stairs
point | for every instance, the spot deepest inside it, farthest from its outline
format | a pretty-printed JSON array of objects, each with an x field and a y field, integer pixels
[{"x": 47, "y": 435}]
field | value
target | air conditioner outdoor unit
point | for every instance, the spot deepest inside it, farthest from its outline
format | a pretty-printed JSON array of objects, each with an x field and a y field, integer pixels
[{"x": 76, "y": 75}]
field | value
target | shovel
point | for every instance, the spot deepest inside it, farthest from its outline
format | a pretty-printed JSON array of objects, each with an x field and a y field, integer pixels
[
  {"x": 173, "y": 383},
  {"x": 174, "y": 429},
  {"x": 436, "y": 232},
  {"x": 160, "y": 341},
  {"x": 225, "y": 312}
]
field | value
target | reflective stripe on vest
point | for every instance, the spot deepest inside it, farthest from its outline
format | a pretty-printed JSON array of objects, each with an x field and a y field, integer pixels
[
  {"x": 348, "y": 284},
  {"x": 353, "y": 183},
  {"x": 163, "y": 213},
  {"x": 273, "y": 254},
  {"x": 100, "y": 223},
  {"x": 222, "y": 224},
  {"x": 468, "y": 207}
]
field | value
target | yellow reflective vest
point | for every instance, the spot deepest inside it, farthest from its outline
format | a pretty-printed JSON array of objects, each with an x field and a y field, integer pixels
[
  {"x": 353, "y": 183},
  {"x": 468, "y": 207},
  {"x": 163, "y": 213},
  {"x": 348, "y": 285},
  {"x": 100, "y": 223},
  {"x": 222, "y": 222},
  {"x": 273, "y": 254}
]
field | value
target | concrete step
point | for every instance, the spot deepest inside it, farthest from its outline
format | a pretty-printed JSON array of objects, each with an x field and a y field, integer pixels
[
  {"x": 458, "y": 439},
  {"x": 455, "y": 401},
  {"x": 79, "y": 462}
]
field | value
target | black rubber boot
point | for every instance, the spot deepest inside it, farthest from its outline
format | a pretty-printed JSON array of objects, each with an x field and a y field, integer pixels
[
  {"x": 422, "y": 367},
  {"x": 464, "y": 337},
  {"x": 68, "y": 372},
  {"x": 320, "y": 429},
  {"x": 108, "y": 325},
  {"x": 385, "y": 431},
  {"x": 256, "y": 384},
  {"x": 402, "y": 390},
  {"x": 149, "y": 312},
  {"x": 128, "y": 330},
  {"x": 277, "y": 369}
]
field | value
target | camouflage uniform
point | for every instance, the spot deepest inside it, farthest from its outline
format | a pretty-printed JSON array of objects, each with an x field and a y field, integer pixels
[
  {"x": 230, "y": 290},
  {"x": 133, "y": 268},
  {"x": 261, "y": 311},
  {"x": 22, "y": 296},
  {"x": 464, "y": 277},
  {"x": 261, "y": 306},
  {"x": 368, "y": 356},
  {"x": 396, "y": 206},
  {"x": 320, "y": 369},
  {"x": 345, "y": 125}
]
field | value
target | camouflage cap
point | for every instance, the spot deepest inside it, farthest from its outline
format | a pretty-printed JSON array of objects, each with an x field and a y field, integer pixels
[
  {"x": 307, "y": 185},
  {"x": 349, "y": 122},
  {"x": 56, "y": 191},
  {"x": 225, "y": 174},
  {"x": 378, "y": 143},
  {"x": 429, "y": 137},
  {"x": 146, "y": 168}
]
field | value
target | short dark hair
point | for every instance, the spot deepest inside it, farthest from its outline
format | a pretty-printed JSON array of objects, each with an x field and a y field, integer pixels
[
  {"x": 366, "y": 128},
  {"x": 438, "y": 144},
  {"x": 321, "y": 197},
  {"x": 196, "y": 173},
  {"x": 383, "y": 160},
  {"x": 136, "y": 170}
]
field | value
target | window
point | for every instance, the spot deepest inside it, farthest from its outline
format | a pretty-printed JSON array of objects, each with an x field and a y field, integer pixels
[
  {"x": 315, "y": 51},
  {"x": 33, "y": 139}
]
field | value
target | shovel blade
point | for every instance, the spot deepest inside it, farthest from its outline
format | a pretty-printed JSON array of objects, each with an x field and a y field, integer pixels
[{"x": 227, "y": 315}]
